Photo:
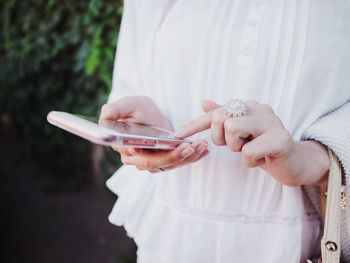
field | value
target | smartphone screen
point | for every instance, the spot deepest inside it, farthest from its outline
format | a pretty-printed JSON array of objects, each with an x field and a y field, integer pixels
[
  {"x": 115, "y": 133},
  {"x": 131, "y": 128}
]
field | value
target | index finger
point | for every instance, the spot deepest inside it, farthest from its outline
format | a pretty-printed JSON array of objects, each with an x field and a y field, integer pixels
[{"x": 202, "y": 123}]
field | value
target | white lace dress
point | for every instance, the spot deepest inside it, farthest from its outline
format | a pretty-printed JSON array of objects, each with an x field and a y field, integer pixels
[{"x": 291, "y": 54}]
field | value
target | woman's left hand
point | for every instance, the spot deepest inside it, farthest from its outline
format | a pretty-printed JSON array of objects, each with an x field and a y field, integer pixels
[{"x": 263, "y": 142}]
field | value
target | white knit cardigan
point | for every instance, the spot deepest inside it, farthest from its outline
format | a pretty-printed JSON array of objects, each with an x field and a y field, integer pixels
[{"x": 333, "y": 130}]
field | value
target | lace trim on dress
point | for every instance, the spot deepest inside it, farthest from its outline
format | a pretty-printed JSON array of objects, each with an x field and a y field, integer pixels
[{"x": 249, "y": 219}]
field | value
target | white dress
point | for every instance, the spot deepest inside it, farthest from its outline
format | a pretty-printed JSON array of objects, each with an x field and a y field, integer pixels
[{"x": 291, "y": 54}]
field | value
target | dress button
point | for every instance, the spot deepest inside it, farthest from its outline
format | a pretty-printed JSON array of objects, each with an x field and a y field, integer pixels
[
  {"x": 258, "y": 3},
  {"x": 247, "y": 51},
  {"x": 253, "y": 23}
]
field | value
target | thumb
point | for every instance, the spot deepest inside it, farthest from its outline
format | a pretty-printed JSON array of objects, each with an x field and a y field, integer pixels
[
  {"x": 208, "y": 105},
  {"x": 117, "y": 110}
]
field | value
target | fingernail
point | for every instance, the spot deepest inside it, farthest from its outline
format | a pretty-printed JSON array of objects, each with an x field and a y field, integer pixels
[
  {"x": 205, "y": 154},
  {"x": 178, "y": 134},
  {"x": 133, "y": 152},
  {"x": 187, "y": 152},
  {"x": 201, "y": 148},
  {"x": 180, "y": 131}
]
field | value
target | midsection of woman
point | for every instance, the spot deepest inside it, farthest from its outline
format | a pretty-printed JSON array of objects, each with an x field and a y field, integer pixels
[{"x": 288, "y": 54}]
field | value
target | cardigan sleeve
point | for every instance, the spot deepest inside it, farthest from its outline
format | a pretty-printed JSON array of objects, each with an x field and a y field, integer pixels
[{"x": 333, "y": 131}]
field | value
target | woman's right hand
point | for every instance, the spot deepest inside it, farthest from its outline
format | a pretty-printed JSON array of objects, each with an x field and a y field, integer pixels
[{"x": 142, "y": 109}]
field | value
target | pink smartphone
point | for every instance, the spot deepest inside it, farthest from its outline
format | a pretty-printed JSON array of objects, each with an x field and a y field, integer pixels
[{"x": 115, "y": 133}]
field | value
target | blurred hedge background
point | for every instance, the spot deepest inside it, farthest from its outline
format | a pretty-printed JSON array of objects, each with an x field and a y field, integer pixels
[{"x": 57, "y": 55}]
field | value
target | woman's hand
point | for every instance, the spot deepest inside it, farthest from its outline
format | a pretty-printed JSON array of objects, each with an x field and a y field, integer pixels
[
  {"x": 263, "y": 142},
  {"x": 141, "y": 109}
]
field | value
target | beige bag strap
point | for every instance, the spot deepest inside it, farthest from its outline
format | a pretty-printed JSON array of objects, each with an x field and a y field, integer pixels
[{"x": 330, "y": 243}]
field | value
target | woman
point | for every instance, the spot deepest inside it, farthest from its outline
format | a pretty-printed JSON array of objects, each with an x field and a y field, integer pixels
[{"x": 234, "y": 195}]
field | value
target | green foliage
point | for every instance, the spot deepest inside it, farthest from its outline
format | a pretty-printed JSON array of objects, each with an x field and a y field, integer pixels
[{"x": 56, "y": 55}]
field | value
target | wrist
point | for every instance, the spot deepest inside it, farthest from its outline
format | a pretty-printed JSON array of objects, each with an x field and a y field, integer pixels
[{"x": 315, "y": 162}]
